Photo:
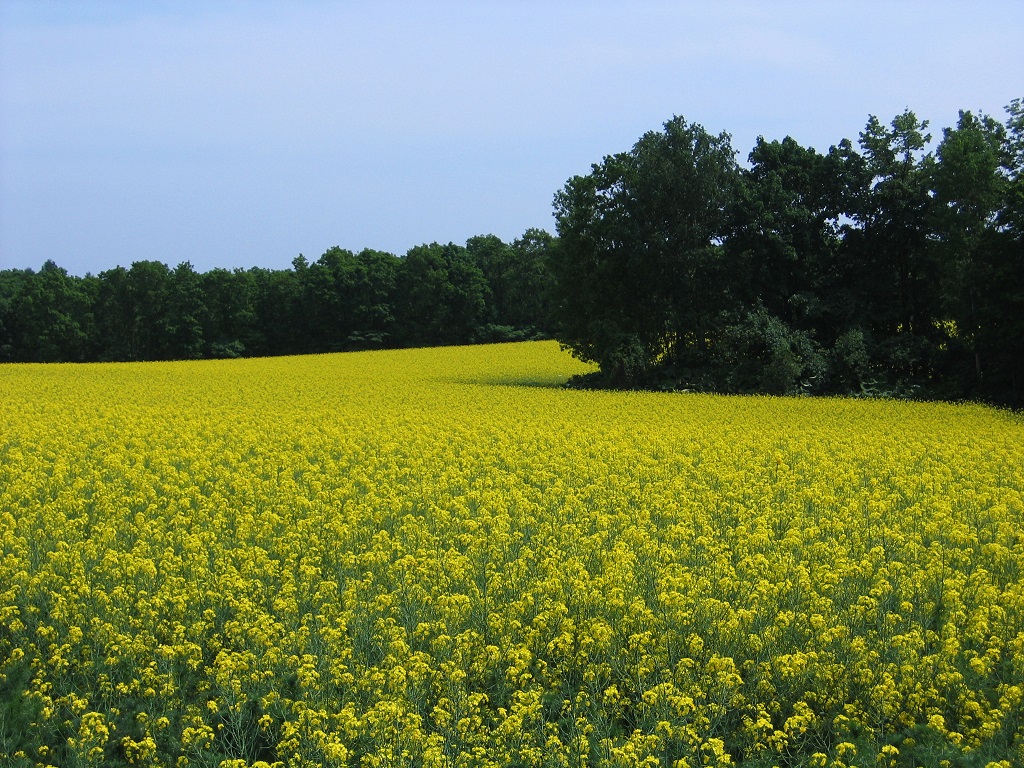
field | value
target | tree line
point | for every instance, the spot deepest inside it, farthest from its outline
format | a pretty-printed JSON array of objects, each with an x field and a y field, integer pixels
[
  {"x": 881, "y": 267},
  {"x": 486, "y": 290}
]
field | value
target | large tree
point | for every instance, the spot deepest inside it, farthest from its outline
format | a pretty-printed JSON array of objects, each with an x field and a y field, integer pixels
[
  {"x": 1003, "y": 319},
  {"x": 50, "y": 316},
  {"x": 786, "y": 226},
  {"x": 890, "y": 264},
  {"x": 783, "y": 252},
  {"x": 441, "y": 296},
  {"x": 638, "y": 278},
  {"x": 528, "y": 301},
  {"x": 230, "y": 324},
  {"x": 186, "y": 311},
  {"x": 517, "y": 280},
  {"x": 969, "y": 187}
]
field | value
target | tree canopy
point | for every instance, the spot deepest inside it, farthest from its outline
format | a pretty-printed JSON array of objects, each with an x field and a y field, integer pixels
[
  {"x": 885, "y": 267},
  {"x": 434, "y": 294},
  {"x": 637, "y": 268}
]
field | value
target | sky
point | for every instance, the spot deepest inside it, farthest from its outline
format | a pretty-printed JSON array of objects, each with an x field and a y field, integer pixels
[{"x": 238, "y": 134}]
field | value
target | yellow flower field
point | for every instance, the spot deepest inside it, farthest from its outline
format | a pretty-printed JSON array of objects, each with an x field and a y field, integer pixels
[{"x": 441, "y": 558}]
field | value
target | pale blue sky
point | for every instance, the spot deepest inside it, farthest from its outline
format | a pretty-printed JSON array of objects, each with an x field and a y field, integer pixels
[{"x": 238, "y": 134}]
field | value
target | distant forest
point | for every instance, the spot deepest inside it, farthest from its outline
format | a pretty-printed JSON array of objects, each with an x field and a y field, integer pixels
[
  {"x": 890, "y": 266},
  {"x": 484, "y": 291}
]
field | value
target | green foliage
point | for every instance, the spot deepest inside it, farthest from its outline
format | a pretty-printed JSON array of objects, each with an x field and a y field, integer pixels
[
  {"x": 517, "y": 281},
  {"x": 785, "y": 237},
  {"x": 638, "y": 278},
  {"x": 487, "y": 291},
  {"x": 766, "y": 355},
  {"x": 442, "y": 295},
  {"x": 893, "y": 269}
]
